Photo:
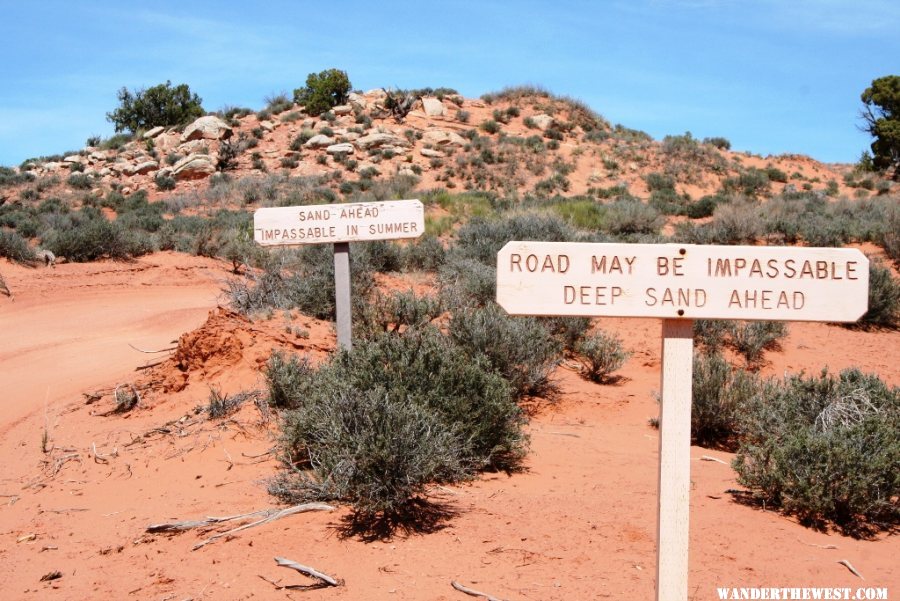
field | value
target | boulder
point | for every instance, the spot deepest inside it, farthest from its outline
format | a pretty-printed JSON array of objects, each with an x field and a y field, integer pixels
[
  {"x": 319, "y": 141},
  {"x": 431, "y": 154},
  {"x": 193, "y": 147},
  {"x": 195, "y": 166},
  {"x": 152, "y": 133},
  {"x": 141, "y": 168},
  {"x": 99, "y": 155},
  {"x": 345, "y": 148},
  {"x": 342, "y": 109},
  {"x": 542, "y": 120},
  {"x": 267, "y": 125},
  {"x": 358, "y": 101},
  {"x": 74, "y": 159},
  {"x": 433, "y": 107},
  {"x": 406, "y": 170},
  {"x": 438, "y": 137},
  {"x": 209, "y": 127},
  {"x": 379, "y": 139}
]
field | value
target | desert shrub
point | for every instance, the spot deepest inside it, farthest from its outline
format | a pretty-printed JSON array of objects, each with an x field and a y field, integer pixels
[
  {"x": 375, "y": 425},
  {"x": 9, "y": 177},
  {"x": 826, "y": 449},
  {"x": 80, "y": 181},
  {"x": 467, "y": 282},
  {"x": 275, "y": 104},
  {"x": 288, "y": 380},
  {"x": 718, "y": 142},
  {"x": 426, "y": 254},
  {"x": 15, "y": 248},
  {"x": 91, "y": 237},
  {"x": 711, "y": 335},
  {"x": 600, "y": 355},
  {"x": 884, "y": 299},
  {"x": 489, "y": 126},
  {"x": 165, "y": 182},
  {"x": 751, "y": 339},
  {"x": 776, "y": 175},
  {"x": 627, "y": 216},
  {"x": 521, "y": 349},
  {"x": 306, "y": 283},
  {"x": 323, "y": 91},
  {"x": 660, "y": 181},
  {"x": 481, "y": 239},
  {"x": 719, "y": 394},
  {"x": 162, "y": 104},
  {"x": 396, "y": 312},
  {"x": 704, "y": 207}
]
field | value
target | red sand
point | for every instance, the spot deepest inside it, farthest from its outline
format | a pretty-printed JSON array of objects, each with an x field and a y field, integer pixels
[{"x": 578, "y": 524}]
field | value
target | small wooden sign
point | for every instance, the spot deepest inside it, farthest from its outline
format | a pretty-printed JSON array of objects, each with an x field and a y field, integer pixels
[
  {"x": 352, "y": 222},
  {"x": 688, "y": 281}
]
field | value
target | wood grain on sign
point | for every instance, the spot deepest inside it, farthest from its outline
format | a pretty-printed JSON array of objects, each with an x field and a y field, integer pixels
[
  {"x": 352, "y": 222},
  {"x": 683, "y": 281}
]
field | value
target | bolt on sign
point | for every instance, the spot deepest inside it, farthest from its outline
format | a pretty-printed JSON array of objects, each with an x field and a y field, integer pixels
[
  {"x": 679, "y": 283},
  {"x": 339, "y": 224}
]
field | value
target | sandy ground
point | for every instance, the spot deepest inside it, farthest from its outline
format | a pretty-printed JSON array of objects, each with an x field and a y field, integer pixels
[{"x": 579, "y": 523}]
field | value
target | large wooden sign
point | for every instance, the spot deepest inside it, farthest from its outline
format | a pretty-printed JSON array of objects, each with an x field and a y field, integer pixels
[
  {"x": 683, "y": 281},
  {"x": 680, "y": 283},
  {"x": 352, "y": 222}
]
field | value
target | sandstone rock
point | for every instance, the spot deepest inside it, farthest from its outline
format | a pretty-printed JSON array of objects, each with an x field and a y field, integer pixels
[
  {"x": 152, "y": 133},
  {"x": 209, "y": 127},
  {"x": 433, "y": 107},
  {"x": 358, "y": 101},
  {"x": 379, "y": 139},
  {"x": 319, "y": 141},
  {"x": 195, "y": 166},
  {"x": 105, "y": 171},
  {"x": 368, "y": 166},
  {"x": 141, "y": 168},
  {"x": 344, "y": 148},
  {"x": 406, "y": 170},
  {"x": 342, "y": 109},
  {"x": 99, "y": 155},
  {"x": 267, "y": 125},
  {"x": 431, "y": 154},
  {"x": 165, "y": 172},
  {"x": 542, "y": 120},
  {"x": 193, "y": 147},
  {"x": 438, "y": 137},
  {"x": 351, "y": 136},
  {"x": 73, "y": 159}
]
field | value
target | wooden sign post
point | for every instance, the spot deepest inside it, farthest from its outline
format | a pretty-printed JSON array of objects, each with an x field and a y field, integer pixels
[
  {"x": 339, "y": 224},
  {"x": 679, "y": 283}
]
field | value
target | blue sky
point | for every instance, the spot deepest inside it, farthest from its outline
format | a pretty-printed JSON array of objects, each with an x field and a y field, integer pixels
[{"x": 772, "y": 76}]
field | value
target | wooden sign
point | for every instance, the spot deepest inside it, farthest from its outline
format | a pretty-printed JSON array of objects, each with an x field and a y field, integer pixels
[
  {"x": 680, "y": 283},
  {"x": 352, "y": 222},
  {"x": 683, "y": 281},
  {"x": 339, "y": 225}
]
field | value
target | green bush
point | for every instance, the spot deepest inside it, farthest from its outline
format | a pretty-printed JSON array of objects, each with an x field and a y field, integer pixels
[
  {"x": 600, "y": 355},
  {"x": 161, "y": 105},
  {"x": 323, "y": 91},
  {"x": 490, "y": 126},
  {"x": 826, "y": 449},
  {"x": 91, "y": 237},
  {"x": 15, "y": 248},
  {"x": 521, "y": 349},
  {"x": 375, "y": 425},
  {"x": 396, "y": 312},
  {"x": 719, "y": 395},
  {"x": 751, "y": 339},
  {"x": 80, "y": 181},
  {"x": 884, "y": 299}
]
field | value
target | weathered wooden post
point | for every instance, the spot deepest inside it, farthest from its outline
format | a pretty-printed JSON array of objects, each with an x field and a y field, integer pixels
[
  {"x": 339, "y": 225},
  {"x": 679, "y": 283}
]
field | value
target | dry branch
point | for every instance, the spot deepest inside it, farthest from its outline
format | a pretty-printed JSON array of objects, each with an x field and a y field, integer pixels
[
  {"x": 472, "y": 592},
  {"x": 269, "y": 515},
  {"x": 850, "y": 567},
  {"x": 306, "y": 570},
  {"x": 140, "y": 350}
]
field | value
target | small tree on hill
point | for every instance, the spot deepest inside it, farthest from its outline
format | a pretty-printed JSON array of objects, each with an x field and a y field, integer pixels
[
  {"x": 160, "y": 105},
  {"x": 323, "y": 90},
  {"x": 882, "y": 117}
]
